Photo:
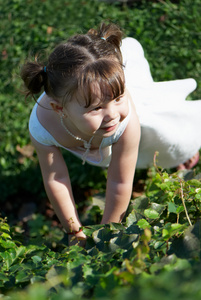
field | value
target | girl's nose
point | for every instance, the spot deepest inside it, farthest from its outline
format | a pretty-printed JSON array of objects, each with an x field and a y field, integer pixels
[{"x": 110, "y": 113}]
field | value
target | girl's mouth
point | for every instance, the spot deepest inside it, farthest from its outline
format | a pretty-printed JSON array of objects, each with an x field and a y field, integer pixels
[{"x": 110, "y": 128}]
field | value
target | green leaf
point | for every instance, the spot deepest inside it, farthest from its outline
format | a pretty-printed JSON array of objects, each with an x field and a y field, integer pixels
[
  {"x": 8, "y": 259},
  {"x": 116, "y": 226},
  {"x": 140, "y": 203},
  {"x": 36, "y": 259},
  {"x": 7, "y": 244},
  {"x": 151, "y": 213},
  {"x": 195, "y": 183},
  {"x": 171, "y": 229},
  {"x": 143, "y": 224},
  {"x": 131, "y": 219},
  {"x": 179, "y": 209},
  {"x": 4, "y": 277},
  {"x": 20, "y": 251},
  {"x": 198, "y": 196},
  {"x": 23, "y": 276},
  {"x": 5, "y": 235},
  {"x": 124, "y": 241},
  {"x": 158, "y": 207},
  {"x": 4, "y": 226},
  {"x": 172, "y": 208}
]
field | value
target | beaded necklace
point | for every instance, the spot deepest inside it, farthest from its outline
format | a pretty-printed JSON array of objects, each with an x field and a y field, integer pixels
[{"x": 87, "y": 145}]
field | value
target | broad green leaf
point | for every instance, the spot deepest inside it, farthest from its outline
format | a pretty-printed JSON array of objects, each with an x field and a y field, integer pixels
[
  {"x": 88, "y": 230},
  {"x": 102, "y": 235},
  {"x": 198, "y": 196},
  {"x": 87, "y": 270},
  {"x": 5, "y": 235},
  {"x": 4, "y": 277},
  {"x": 4, "y": 227},
  {"x": 143, "y": 224},
  {"x": 140, "y": 203},
  {"x": 131, "y": 219},
  {"x": 133, "y": 229},
  {"x": 194, "y": 182},
  {"x": 7, "y": 244},
  {"x": 77, "y": 260},
  {"x": 151, "y": 213},
  {"x": 172, "y": 229},
  {"x": 172, "y": 207},
  {"x": 177, "y": 227},
  {"x": 166, "y": 233},
  {"x": 113, "y": 244},
  {"x": 179, "y": 209},
  {"x": 23, "y": 276},
  {"x": 158, "y": 207},
  {"x": 159, "y": 245},
  {"x": 20, "y": 251},
  {"x": 116, "y": 226},
  {"x": 8, "y": 259},
  {"x": 36, "y": 259},
  {"x": 124, "y": 240}
]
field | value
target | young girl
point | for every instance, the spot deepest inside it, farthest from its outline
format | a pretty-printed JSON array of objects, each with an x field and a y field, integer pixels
[{"x": 87, "y": 109}]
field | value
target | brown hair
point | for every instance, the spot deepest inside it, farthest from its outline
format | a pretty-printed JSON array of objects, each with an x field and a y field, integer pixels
[{"x": 79, "y": 63}]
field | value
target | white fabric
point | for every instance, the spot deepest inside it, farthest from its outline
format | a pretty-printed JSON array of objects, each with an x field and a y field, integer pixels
[{"x": 169, "y": 124}]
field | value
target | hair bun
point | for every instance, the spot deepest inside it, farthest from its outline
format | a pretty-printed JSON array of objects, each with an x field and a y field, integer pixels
[
  {"x": 33, "y": 75},
  {"x": 111, "y": 33}
]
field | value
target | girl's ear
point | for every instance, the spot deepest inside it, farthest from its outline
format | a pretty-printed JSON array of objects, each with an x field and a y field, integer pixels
[{"x": 56, "y": 106}]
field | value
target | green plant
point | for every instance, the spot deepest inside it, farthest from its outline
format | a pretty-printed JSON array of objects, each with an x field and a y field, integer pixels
[{"x": 159, "y": 240}]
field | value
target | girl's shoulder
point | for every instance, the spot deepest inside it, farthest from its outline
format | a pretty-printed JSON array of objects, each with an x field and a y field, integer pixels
[{"x": 36, "y": 128}]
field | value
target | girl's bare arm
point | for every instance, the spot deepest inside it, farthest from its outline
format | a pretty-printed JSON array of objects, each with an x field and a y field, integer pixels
[
  {"x": 58, "y": 186},
  {"x": 121, "y": 172}
]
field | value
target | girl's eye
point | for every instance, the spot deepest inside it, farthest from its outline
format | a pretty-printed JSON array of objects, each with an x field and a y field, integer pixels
[
  {"x": 118, "y": 99},
  {"x": 97, "y": 108}
]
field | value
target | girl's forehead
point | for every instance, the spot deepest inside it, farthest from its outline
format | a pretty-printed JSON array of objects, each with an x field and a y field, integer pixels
[{"x": 94, "y": 94}]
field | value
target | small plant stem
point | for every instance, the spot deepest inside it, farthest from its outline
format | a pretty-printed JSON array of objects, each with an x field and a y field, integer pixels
[
  {"x": 154, "y": 163},
  {"x": 167, "y": 247},
  {"x": 183, "y": 201},
  {"x": 177, "y": 218}
]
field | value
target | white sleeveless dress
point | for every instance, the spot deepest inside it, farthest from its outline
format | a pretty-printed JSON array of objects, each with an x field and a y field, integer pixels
[{"x": 170, "y": 125}]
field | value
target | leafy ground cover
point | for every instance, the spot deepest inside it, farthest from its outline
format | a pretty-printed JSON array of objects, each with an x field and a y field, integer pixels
[{"x": 155, "y": 253}]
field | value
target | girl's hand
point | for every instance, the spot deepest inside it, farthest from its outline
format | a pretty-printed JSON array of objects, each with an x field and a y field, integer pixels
[{"x": 77, "y": 239}]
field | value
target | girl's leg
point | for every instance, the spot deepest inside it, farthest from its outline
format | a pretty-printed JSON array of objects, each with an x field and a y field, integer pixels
[{"x": 189, "y": 164}]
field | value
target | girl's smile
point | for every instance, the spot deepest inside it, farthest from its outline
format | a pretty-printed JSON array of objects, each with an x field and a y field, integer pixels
[{"x": 110, "y": 128}]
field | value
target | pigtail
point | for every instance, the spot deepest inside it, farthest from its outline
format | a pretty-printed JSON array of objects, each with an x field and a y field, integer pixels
[
  {"x": 112, "y": 35},
  {"x": 34, "y": 76}
]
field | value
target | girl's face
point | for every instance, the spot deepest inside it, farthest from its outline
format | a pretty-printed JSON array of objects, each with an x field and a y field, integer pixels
[{"x": 100, "y": 118}]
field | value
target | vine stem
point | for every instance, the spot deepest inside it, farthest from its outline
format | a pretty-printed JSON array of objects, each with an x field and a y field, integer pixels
[
  {"x": 183, "y": 201},
  {"x": 154, "y": 163}
]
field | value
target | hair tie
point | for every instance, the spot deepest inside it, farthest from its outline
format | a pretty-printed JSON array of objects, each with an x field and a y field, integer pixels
[
  {"x": 44, "y": 69},
  {"x": 102, "y": 38}
]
